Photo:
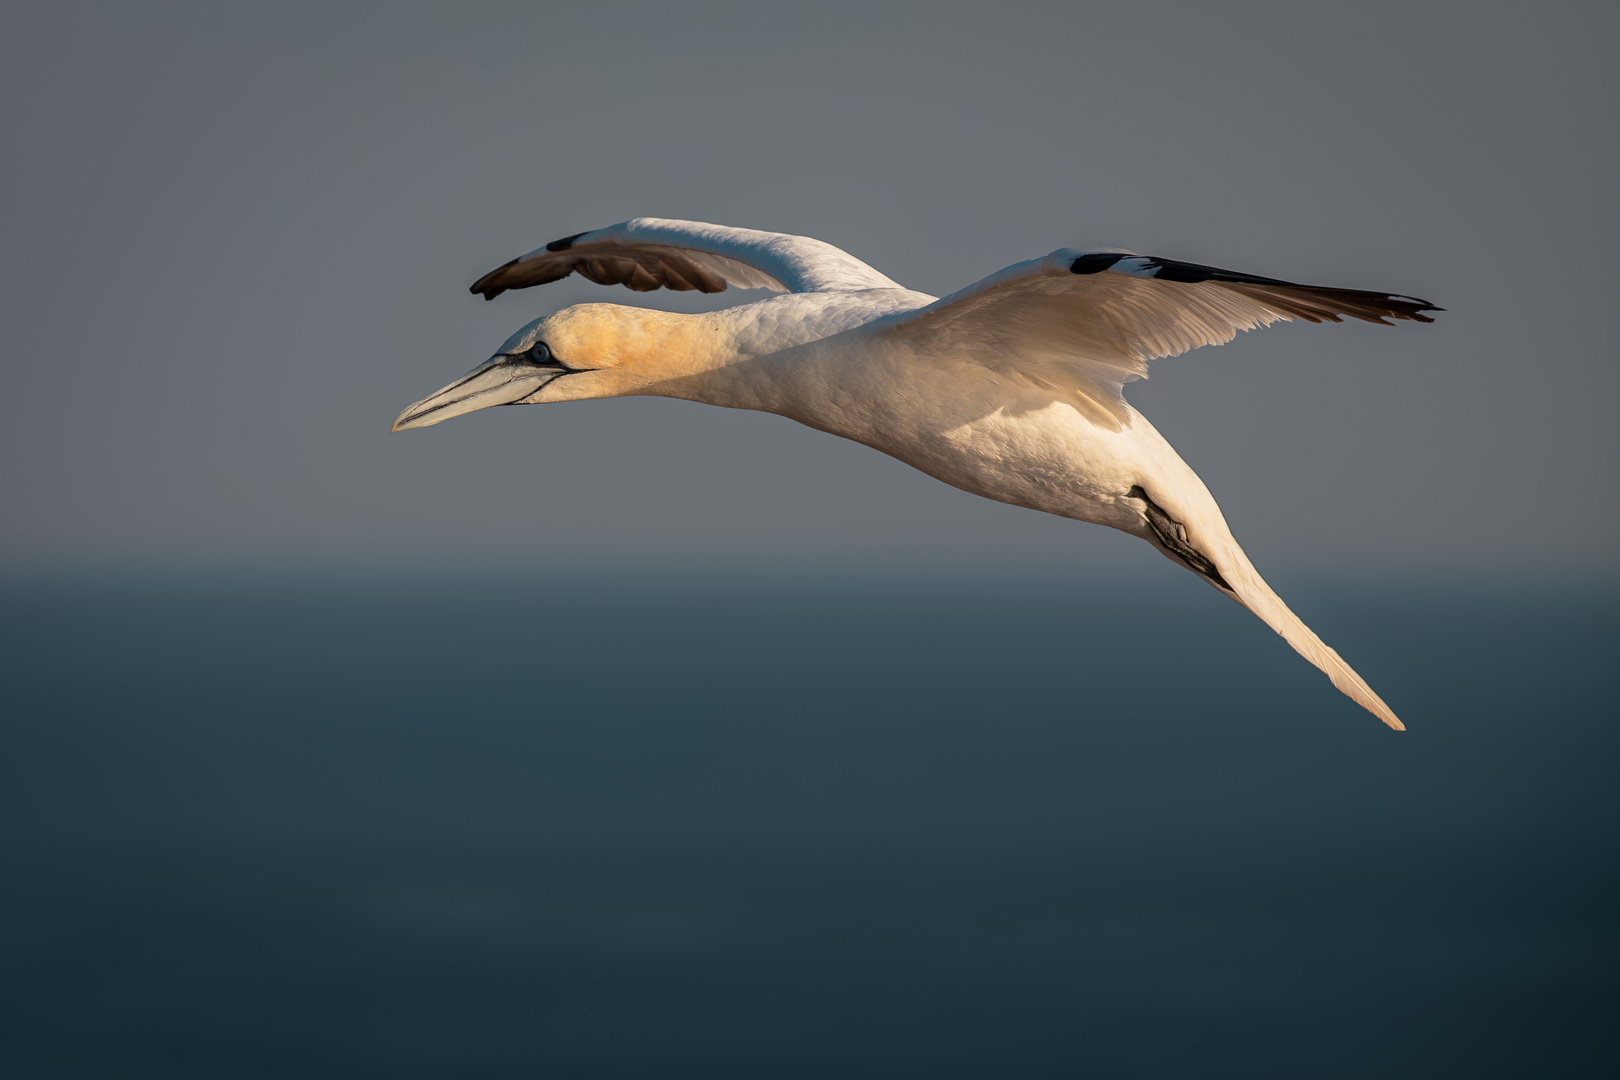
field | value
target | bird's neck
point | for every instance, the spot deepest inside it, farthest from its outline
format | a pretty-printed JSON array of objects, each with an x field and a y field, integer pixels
[{"x": 752, "y": 357}]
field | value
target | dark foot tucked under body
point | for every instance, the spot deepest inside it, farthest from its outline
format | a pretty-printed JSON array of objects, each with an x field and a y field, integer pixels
[{"x": 1173, "y": 538}]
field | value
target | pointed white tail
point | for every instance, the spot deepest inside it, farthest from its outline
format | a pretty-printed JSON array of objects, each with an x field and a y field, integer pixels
[{"x": 1253, "y": 593}]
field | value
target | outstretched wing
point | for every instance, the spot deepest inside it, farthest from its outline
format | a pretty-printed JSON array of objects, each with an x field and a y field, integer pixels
[
  {"x": 1089, "y": 321},
  {"x": 651, "y": 253}
]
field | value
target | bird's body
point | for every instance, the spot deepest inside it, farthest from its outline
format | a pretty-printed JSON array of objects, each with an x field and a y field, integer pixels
[
  {"x": 829, "y": 366},
  {"x": 1010, "y": 389}
]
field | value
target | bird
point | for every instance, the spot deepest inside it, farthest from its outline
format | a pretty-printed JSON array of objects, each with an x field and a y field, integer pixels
[{"x": 1011, "y": 388}]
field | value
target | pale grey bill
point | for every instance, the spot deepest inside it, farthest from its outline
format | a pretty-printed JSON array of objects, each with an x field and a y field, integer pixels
[{"x": 501, "y": 381}]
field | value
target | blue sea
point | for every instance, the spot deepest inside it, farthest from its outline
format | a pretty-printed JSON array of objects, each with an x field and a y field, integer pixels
[{"x": 703, "y": 824}]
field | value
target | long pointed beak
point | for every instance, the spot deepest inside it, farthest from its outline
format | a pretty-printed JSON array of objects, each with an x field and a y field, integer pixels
[{"x": 502, "y": 381}]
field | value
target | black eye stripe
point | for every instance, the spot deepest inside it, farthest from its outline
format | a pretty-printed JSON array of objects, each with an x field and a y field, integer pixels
[{"x": 540, "y": 355}]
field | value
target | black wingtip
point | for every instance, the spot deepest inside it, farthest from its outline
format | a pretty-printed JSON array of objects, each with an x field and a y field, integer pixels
[
  {"x": 1412, "y": 308},
  {"x": 1095, "y": 262},
  {"x": 1315, "y": 303},
  {"x": 486, "y": 286},
  {"x": 565, "y": 243}
]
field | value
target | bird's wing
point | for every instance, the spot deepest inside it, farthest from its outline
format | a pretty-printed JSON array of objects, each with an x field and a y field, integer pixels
[
  {"x": 652, "y": 253},
  {"x": 1089, "y": 321}
]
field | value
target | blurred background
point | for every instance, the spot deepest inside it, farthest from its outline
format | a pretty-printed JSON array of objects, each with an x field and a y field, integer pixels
[{"x": 635, "y": 737}]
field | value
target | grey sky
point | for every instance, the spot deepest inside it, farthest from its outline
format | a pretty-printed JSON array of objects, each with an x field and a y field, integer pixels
[{"x": 234, "y": 242}]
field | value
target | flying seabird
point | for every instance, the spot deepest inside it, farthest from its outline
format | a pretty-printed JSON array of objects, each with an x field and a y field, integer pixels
[{"x": 1011, "y": 388}]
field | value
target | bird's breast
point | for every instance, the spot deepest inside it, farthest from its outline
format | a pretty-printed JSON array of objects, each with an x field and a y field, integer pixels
[{"x": 962, "y": 424}]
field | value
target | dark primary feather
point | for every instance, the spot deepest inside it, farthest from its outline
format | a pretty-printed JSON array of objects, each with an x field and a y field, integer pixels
[
  {"x": 1313, "y": 303},
  {"x": 642, "y": 267}
]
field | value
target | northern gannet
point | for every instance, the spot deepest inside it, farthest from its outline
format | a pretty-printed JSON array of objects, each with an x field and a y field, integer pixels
[{"x": 1011, "y": 388}]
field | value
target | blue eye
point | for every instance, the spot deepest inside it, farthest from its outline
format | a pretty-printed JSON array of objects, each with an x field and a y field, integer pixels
[{"x": 539, "y": 353}]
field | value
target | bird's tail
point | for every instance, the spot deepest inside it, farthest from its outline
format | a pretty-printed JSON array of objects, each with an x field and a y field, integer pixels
[
  {"x": 1209, "y": 550},
  {"x": 1251, "y": 590}
]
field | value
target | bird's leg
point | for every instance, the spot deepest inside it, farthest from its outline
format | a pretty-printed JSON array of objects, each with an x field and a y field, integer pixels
[{"x": 1173, "y": 538}]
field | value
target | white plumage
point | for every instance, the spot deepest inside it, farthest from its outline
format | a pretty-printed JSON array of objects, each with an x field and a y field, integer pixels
[{"x": 1010, "y": 388}]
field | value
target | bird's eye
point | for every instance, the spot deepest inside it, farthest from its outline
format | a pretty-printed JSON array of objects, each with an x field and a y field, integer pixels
[{"x": 539, "y": 353}]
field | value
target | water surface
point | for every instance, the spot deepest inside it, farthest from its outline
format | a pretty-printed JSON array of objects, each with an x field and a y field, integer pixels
[{"x": 741, "y": 826}]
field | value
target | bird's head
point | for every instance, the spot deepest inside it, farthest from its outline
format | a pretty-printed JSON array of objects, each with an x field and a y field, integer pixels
[{"x": 587, "y": 351}]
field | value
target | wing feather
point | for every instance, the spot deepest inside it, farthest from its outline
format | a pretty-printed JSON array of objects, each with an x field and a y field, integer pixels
[
  {"x": 651, "y": 253},
  {"x": 1089, "y": 321}
]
